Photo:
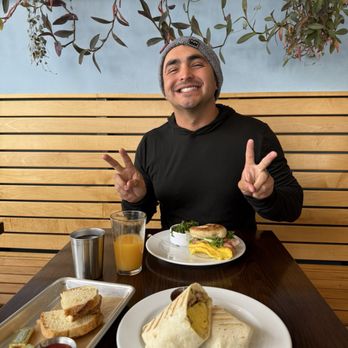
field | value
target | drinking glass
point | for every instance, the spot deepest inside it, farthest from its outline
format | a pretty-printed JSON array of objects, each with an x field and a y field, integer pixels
[{"x": 128, "y": 231}]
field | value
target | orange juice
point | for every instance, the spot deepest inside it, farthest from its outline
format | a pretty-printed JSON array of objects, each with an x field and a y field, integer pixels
[{"x": 128, "y": 249}]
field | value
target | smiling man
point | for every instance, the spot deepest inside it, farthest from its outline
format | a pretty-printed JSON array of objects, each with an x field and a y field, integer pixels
[{"x": 207, "y": 163}]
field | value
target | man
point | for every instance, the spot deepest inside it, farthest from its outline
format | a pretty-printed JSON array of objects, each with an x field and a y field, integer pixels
[{"x": 207, "y": 163}]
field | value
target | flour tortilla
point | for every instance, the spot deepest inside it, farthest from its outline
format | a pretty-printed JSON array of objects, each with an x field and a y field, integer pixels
[
  {"x": 172, "y": 327},
  {"x": 227, "y": 331}
]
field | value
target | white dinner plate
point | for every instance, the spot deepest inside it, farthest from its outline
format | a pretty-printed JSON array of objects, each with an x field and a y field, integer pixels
[
  {"x": 268, "y": 329},
  {"x": 159, "y": 245}
]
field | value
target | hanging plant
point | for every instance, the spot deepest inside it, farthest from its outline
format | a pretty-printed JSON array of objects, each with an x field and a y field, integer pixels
[{"x": 307, "y": 27}]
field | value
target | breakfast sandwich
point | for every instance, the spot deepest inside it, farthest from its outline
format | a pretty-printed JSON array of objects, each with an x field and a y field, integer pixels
[
  {"x": 213, "y": 240},
  {"x": 184, "y": 323},
  {"x": 227, "y": 331}
]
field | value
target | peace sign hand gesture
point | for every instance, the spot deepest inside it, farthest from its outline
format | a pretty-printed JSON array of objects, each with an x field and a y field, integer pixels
[
  {"x": 129, "y": 182},
  {"x": 256, "y": 181}
]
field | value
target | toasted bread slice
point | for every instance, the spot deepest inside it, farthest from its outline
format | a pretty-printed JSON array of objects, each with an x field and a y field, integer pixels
[
  {"x": 79, "y": 301},
  {"x": 87, "y": 310},
  {"x": 55, "y": 323}
]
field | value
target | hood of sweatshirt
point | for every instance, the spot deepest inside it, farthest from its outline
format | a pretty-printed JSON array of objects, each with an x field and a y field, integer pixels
[{"x": 224, "y": 112}]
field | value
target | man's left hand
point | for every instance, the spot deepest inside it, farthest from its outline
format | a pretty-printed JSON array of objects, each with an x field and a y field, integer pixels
[{"x": 256, "y": 181}]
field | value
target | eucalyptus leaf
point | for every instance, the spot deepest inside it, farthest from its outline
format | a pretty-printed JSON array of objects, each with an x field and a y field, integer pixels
[
  {"x": 179, "y": 25},
  {"x": 63, "y": 33},
  {"x": 5, "y": 5},
  {"x": 219, "y": 26},
  {"x": 245, "y": 6},
  {"x": 1, "y": 24},
  {"x": 221, "y": 56},
  {"x": 208, "y": 36},
  {"x": 95, "y": 62},
  {"x": 63, "y": 19},
  {"x": 81, "y": 56},
  {"x": 223, "y": 4},
  {"x": 118, "y": 40},
  {"x": 94, "y": 41},
  {"x": 101, "y": 20},
  {"x": 246, "y": 37},
  {"x": 58, "y": 48},
  {"x": 195, "y": 26},
  {"x": 153, "y": 41},
  {"x": 229, "y": 26},
  {"x": 146, "y": 9}
]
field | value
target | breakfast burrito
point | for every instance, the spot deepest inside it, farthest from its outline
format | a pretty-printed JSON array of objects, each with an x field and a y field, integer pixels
[
  {"x": 185, "y": 322},
  {"x": 227, "y": 331}
]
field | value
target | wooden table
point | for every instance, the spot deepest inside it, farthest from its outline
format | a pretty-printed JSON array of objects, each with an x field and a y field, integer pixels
[{"x": 266, "y": 272}]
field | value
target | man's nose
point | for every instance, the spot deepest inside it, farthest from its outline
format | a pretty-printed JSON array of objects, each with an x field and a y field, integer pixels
[{"x": 185, "y": 72}]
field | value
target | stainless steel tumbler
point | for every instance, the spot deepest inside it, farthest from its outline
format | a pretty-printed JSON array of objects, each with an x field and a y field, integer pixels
[{"x": 87, "y": 246}]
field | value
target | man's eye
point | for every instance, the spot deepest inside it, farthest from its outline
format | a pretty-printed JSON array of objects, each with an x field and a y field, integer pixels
[
  {"x": 197, "y": 65},
  {"x": 171, "y": 70}
]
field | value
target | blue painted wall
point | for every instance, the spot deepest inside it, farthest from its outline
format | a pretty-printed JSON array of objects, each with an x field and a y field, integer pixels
[{"x": 248, "y": 68}]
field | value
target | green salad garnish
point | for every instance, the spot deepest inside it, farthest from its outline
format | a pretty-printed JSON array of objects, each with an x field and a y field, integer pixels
[
  {"x": 219, "y": 242},
  {"x": 184, "y": 226}
]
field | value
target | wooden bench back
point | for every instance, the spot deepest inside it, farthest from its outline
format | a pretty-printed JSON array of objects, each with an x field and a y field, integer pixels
[{"x": 53, "y": 180}]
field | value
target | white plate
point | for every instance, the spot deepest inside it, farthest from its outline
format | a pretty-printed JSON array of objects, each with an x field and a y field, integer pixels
[
  {"x": 159, "y": 245},
  {"x": 268, "y": 329}
]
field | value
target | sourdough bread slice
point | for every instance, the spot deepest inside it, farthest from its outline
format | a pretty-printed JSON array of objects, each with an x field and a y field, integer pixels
[
  {"x": 87, "y": 310},
  {"x": 80, "y": 301},
  {"x": 55, "y": 323}
]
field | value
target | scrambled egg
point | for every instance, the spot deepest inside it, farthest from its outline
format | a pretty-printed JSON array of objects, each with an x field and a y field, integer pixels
[
  {"x": 198, "y": 315},
  {"x": 221, "y": 253}
]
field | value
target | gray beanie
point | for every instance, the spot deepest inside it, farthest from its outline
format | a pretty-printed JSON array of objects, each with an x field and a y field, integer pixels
[{"x": 205, "y": 50}]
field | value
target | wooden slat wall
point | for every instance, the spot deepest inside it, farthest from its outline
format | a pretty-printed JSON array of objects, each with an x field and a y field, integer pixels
[{"x": 53, "y": 180}]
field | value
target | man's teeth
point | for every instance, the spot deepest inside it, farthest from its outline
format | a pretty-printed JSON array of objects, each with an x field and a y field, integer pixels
[{"x": 188, "y": 89}]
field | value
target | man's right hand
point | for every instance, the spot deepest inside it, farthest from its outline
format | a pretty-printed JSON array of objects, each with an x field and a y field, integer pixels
[{"x": 129, "y": 182}]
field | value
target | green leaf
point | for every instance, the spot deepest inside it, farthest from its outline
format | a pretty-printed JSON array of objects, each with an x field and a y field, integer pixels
[
  {"x": 79, "y": 50},
  {"x": 81, "y": 56},
  {"x": 101, "y": 20},
  {"x": 195, "y": 26},
  {"x": 5, "y": 4},
  {"x": 208, "y": 36},
  {"x": 229, "y": 26},
  {"x": 147, "y": 12},
  {"x": 153, "y": 41},
  {"x": 63, "y": 19},
  {"x": 46, "y": 22},
  {"x": 95, "y": 62},
  {"x": 268, "y": 19},
  {"x": 287, "y": 5},
  {"x": 342, "y": 31},
  {"x": 221, "y": 56},
  {"x": 316, "y": 26},
  {"x": 245, "y": 37},
  {"x": 219, "y": 26},
  {"x": 245, "y": 6},
  {"x": 94, "y": 41},
  {"x": 63, "y": 33},
  {"x": 223, "y": 4},
  {"x": 118, "y": 40},
  {"x": 1, "y": 24},
  {"x": 262, "y": 38},
  {"x": 58, "y": 48},
  {"x": 179, "y": 25}
]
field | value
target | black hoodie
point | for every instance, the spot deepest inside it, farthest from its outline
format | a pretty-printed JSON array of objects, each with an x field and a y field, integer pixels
[{"x": 194, "y": 175}]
